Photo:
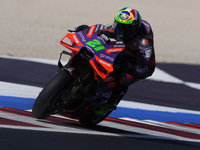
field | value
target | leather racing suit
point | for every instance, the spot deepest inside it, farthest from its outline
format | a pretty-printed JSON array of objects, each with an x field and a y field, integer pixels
[
  {"x": 139, "y": 56},
  {"x": 137, "y": 61}
]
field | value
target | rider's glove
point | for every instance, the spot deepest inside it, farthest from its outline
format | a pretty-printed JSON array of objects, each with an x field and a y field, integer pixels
[{"x": 81, "y": 27}]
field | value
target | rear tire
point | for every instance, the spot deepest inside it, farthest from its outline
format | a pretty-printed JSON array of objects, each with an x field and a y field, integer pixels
[
  {"x": 92, "y": 119},
  {"x": 45, "y": 104}
]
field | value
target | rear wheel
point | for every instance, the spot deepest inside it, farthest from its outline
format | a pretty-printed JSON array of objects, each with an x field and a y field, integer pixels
[
  {"x": 47, "y": 101},
  {"x": 92, "y": 119}
]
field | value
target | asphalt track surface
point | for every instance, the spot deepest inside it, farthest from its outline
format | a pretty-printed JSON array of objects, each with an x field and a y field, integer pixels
[{"x": 167, "y": 94}]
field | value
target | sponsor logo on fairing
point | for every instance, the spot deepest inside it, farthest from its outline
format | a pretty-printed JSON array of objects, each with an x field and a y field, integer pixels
[
  {"x": 116, "y": 46},
  {"x": 81, "y": 36},
  {"x": 104, "y": 37},
  {"x": 91, "y": 31},
  {"x": 101, "y": 39},
  {"x": 106, "y": 57},
  {"x": 105, "y": 63},
  {"x": 114, "y": 50},
  {"x": 89, "y": 48},
  {"x": 101, "y": 28},
  {"x": 76, "y": 39},
  {"x": 120, "y": 42},
  {"x": 97, "y": 28}
]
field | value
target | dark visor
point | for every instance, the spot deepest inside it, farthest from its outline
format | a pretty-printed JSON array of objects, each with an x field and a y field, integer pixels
[{"x": 118, "y": 30}]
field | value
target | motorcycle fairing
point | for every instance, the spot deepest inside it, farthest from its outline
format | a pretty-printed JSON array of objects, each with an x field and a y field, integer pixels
[{"x": 105, "y": 53}]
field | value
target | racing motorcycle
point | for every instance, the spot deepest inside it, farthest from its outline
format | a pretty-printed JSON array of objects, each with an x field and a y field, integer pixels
[{"x": 80, "y": 87}]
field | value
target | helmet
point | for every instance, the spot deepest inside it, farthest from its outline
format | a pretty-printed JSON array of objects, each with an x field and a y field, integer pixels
[{"x": 126, "y": 24}]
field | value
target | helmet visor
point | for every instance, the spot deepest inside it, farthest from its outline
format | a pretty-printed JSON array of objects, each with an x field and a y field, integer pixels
[{"x": 118, "y": 30}]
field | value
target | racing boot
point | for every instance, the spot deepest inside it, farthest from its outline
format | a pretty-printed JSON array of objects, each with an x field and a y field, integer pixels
[{"x": 112, "y": 103}]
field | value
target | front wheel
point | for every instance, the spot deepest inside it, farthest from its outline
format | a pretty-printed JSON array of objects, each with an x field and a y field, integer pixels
[{"x": 47, "y": 101}]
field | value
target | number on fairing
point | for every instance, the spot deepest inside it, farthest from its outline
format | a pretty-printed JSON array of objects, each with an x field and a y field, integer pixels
[{"x": 96, "y": 44}]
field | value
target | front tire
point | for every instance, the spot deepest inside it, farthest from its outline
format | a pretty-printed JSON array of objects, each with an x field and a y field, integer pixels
[{"x": 47, "y": 100}]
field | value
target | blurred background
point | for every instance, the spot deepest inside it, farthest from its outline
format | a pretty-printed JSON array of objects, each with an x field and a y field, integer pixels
[{"x": 34, "y": 28}]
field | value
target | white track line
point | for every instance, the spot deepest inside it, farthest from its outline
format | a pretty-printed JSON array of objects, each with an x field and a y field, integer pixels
[{"x": 26, "y": 91}]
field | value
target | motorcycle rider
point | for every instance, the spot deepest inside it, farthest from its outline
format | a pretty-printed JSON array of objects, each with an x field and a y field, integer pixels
[{"x": 138, "y": 57}]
